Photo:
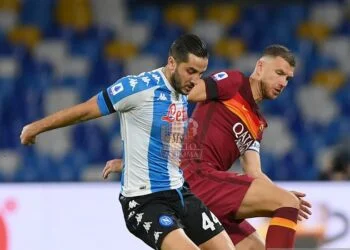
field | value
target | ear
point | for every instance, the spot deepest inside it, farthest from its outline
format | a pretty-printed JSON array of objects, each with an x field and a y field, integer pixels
[
  {"x": 171, "y": 64},
  {"x": 259, "y": 67}
]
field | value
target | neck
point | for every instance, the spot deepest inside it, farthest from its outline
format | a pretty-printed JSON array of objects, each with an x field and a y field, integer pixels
[
  {"x": 166, "y": 73},
  {"x": 256, "y": 87}
]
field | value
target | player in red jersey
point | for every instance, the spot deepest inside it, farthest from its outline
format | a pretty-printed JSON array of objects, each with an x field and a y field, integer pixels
[{"x": 227, "y": 126}]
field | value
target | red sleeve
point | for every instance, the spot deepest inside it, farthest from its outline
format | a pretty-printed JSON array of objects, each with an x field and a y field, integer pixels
[{"x": 223, "y": 85}]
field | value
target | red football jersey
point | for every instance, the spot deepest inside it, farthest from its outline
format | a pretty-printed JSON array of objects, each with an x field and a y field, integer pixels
[{"x": 222, "y": 128}]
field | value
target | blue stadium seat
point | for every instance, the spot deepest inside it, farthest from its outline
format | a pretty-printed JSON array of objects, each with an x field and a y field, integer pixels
[
  {"x": 217, "y": 63},
  {"x": 78, "y": 83},
  {"x": 280, "y": 32},
  {"x": 258, "y": 14},
  {"x": 6, "y": 48},
  {"x": 38, "y": 13},
  {"x": 159, "y": 47},
  {"x": 7, "y": 87},
  {"x": 115, "y": 70},
  {"x": 90, "y": 48},
  {"x": 338, "y": 130},
  {"x": 342, "y": 96},
  {"x": 104, "y": 73},
  {"x": 29, "y": 170},
  {"x": 27, "y": 174},
  {"x": 291, "y": 13},
  {"x": 166, "y": 32},
  {"x": 344, "y": 28},
  {"x": 71, "y": 165},
  {"x": 249, "y": 32},
  {"x": 48, "y": 169},
  {"x": 282, "y": 105},
  {"x": 268, "y": 164},
  {"x": 93, "y": 141},
  {"x": 150, "y": 14}
]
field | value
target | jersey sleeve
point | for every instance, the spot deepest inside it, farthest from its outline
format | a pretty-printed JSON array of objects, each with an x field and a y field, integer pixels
[
  {"x": 255, "y": 146},
  {"x": 223, "y": 85},
  {"x": 122, "y": 95}
]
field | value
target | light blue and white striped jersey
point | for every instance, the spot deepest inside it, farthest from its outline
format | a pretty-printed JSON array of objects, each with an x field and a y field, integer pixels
[{"x": 153, "y": 118}]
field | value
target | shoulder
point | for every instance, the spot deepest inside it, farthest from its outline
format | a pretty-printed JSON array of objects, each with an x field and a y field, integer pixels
[
  {"x": 232, "y": 75},
  {"x": 132, "y": 84},
  {"x": 142, "y": 81}
]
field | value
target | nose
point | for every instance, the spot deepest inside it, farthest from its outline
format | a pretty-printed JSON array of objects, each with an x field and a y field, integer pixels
[
  {"x": 196, "y": 77},
  {"x": 283, "y": 83}
]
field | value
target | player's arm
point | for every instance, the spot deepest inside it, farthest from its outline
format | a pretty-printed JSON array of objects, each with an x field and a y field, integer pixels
[
  {"x": 198, "y": 92},
  {"x": 218, "y": 86},
  {"x": 251, "y": 165},
  {"x": 66, "y": 117},
  {"x": 120, "y": 96}
]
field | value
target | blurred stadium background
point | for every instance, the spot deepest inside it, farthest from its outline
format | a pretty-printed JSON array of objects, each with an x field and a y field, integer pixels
[{"x": 56, "y": 53}]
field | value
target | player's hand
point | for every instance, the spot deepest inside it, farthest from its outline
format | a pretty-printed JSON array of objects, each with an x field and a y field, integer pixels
[
  {"x": 28, "y": 135},
  {"x": 112, "y": 166},
  {"x": 304, "y": 210}
]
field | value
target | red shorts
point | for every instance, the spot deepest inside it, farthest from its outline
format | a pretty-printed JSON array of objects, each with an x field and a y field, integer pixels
[{"x": 223, "y": 193}]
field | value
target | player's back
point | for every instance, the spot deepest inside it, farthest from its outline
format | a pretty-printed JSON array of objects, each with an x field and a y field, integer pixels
[
  {"x": 153, "y": 121},
  {"x": 222, "y": 129}
]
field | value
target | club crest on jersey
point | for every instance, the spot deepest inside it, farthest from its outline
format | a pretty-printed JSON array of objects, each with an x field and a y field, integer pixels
[
  {"x": 175, "y": 114},
  {"x": 166, "y": 221}
]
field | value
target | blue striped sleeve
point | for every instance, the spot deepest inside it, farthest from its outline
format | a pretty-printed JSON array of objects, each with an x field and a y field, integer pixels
[{"x": 103, "y": 104}]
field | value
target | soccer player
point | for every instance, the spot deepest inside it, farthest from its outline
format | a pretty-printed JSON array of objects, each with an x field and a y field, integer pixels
[
  {"x": 158, "y": 208},
  {"x": 227, "y": 126}
]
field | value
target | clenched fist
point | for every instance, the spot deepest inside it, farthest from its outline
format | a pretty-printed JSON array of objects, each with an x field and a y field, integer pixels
[{"x": 28, "y": 135}]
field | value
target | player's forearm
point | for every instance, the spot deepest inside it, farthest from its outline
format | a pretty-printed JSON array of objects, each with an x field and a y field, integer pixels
[
  {"x": 198, "y": 93},
  {"x": 60, "y": 119},
  {"x": 66, "y": 117}
]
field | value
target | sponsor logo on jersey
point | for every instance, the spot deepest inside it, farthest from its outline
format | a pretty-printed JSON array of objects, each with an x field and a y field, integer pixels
[
  {"x": 175, "y": 114},
  {"x": 243, "y": 138}
]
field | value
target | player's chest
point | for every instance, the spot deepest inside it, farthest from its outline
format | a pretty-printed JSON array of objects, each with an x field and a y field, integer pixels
[{"x": 170, "y": 108}]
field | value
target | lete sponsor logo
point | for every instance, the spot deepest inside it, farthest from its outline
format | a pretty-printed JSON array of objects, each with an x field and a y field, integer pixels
[
  {"x": 175, "y": 114},
  {"x": 8, "y": 206}
]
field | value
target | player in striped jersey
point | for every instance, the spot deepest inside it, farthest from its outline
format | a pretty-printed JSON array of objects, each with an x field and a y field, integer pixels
[{"x": 158, "y": 208}]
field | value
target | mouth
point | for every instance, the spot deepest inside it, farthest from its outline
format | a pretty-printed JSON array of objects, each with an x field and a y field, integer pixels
[
  {"x": 277, "y": 91},
  {"x": 188, "y": 88}
]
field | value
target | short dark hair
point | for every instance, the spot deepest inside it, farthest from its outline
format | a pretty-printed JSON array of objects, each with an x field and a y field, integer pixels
[
  {"x": 188, "y": 44},
  {"x": 282, "y": 51}
]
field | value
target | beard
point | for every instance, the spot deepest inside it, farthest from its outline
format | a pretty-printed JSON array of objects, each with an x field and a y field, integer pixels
[
  {"x": 176, "y": 82},
  {"x": 266, "y": 95}
]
